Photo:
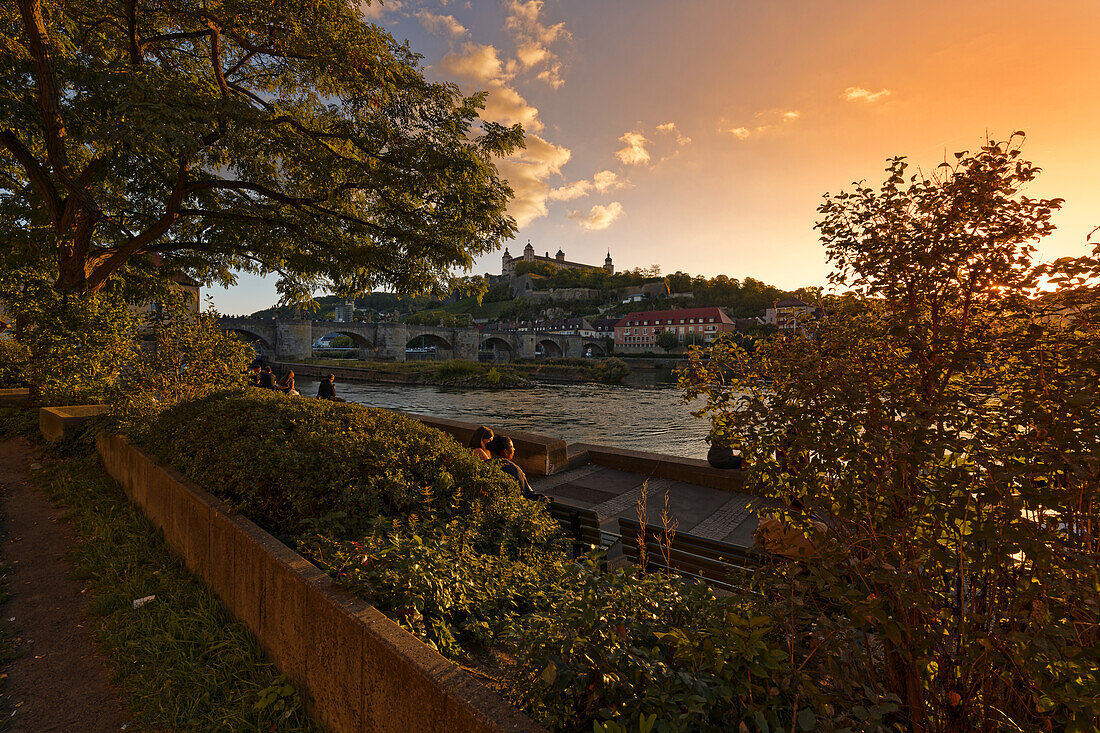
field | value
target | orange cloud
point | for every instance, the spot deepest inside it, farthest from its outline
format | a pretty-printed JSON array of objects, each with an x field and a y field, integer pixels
[
  {"x": 859, "y": 94},
  {"x": 634, "y": 152},
  {"x": 598, "y": 217}
]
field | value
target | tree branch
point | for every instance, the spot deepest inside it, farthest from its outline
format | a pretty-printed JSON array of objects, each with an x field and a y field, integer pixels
[
  {"x": 103, "y": 264},
  {"x": 36, "y": 172}
]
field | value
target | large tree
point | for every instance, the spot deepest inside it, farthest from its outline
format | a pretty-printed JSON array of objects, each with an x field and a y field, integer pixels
[
  {"x": 943, "y": 438},
  {"x": 223, "y": 135}
]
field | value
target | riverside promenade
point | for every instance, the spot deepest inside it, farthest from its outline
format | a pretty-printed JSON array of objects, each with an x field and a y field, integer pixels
[{"x": 706, "y": 502}]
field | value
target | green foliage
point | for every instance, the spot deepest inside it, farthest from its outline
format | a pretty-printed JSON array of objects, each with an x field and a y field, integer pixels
[
  {"x": 668, "y": 340},
  {"x": 621, "y": 653},
  {"x": 945, "y": 432},
  {"x": 74, "y": 347},
  {"x": 14, "y": 358},
  {"x": 187, "y": 356},
  {"x": 438, "y": 318},
  {"x": 293, "y": 464},
  {"x": 427, "y": 578},
  {"x": 318, "y": 151},
  {"x": 342, "y": 342}
]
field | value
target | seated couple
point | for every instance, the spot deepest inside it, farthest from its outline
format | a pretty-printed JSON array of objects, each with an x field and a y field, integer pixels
[{"x": 500, "y": 450}]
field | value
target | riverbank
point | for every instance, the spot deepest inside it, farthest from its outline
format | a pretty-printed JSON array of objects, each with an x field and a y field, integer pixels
[{"x": 459, "y": 373}]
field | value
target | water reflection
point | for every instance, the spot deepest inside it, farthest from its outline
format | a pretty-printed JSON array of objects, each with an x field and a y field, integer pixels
[{"x": 640, "y": 419}]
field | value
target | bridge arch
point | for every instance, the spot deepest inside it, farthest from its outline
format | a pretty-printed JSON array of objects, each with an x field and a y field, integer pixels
[
  {"x": 547, "y": 348},
  {"x": 364, "y": 345},
  {"x": 264, "y": 348},
  {"x": 496, "y": 349},
  {"x": 593, "y": 348},
  {"x": 428, "y": 347}
]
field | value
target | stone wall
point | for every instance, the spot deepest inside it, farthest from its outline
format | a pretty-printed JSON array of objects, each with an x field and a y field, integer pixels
[{"x": 359, "y": 670}]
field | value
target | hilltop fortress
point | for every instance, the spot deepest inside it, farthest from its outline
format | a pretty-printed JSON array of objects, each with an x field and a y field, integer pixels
[{"x": 508, "y": 262}]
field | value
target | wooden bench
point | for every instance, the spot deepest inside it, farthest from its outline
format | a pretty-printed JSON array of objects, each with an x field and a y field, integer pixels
[
  {"x": 712, "y": 561},
  {"x": 580, "y": 523}
]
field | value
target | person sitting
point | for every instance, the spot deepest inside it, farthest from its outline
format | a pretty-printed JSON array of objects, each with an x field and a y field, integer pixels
[
  {"x": 781, "y": 537},
  {"x": 326, "y": 390},
  {"x": 288, "y": 384},
  {"x": 503, "y": 451},
  {"x": 254, "y": 376},
  {"x": 267, "y": 379},
  {"x": 479, "y": 441},
  {"x": 721, "y": 453}
]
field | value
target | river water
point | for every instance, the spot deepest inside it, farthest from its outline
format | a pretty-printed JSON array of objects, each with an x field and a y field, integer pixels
[{"x": 652, "y": 420}]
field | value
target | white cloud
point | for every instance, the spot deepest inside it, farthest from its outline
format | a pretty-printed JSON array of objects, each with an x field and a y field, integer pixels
[
  {"x": 672, "y": 129},
  {"x": 441, "y": 24},
  {"x": 527, "y": 172},
  {"x": 570, "y": 191},
  {"x": 634, "y": 152},
  {"x": 859, "y": 94},
  {"x": 739, "y": 132},
  {"x": 506, "y": 106},
  {"x": 605, "y": 181},
  {"x": 791, "y": 116},
  {"x": 377, "y": 9},
  {"x": 598, "y": 217},
  {"x": 533, "y": 39},
  {"x": 476, "y": 62}
]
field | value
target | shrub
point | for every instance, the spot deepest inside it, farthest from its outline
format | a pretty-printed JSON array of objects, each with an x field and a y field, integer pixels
[
  {"x": 190, "y": 356},
  {"x": 622, "y": 653},
  {"x": 13, "y": 362},
  {"x": 297, "y": 465}
]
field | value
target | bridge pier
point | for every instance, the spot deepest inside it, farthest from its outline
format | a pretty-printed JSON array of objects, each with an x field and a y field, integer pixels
[{"x": 293, "y": 339}]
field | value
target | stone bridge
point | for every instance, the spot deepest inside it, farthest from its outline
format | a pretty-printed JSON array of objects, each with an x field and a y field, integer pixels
[{"x": 293, "y": 340}]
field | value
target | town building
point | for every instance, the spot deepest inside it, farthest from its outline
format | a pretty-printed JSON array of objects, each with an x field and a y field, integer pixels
[
  {"x": 639, "y": 331},
  {"x": 789, "y": 313},
  {"x": 344, "y": 311},
  {"x": 508, "y": 262},
  {"x": 566, "y": 327}
]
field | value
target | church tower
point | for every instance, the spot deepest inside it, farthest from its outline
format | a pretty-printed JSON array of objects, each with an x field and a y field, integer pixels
[
  {"x": 506, "y": 263},
  {"x": 607, "y": 264},
  {"x": 529, "y": 252}
]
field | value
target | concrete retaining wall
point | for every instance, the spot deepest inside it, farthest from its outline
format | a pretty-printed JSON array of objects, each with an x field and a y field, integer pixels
[
  {"x": 535, "y": 454},
  {"x": 361, "y": 671},
  {"x": 14, "y": 397},
  {"x": 688, "y": 470},
  {"x": 56, "y": 422}
]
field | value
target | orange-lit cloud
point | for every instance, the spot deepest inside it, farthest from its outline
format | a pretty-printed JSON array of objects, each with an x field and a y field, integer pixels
[
  {"x": 527, "y": 172},
  {"x": 764, "y": 121},
  {"x": 601, "y": 182},
  {"x": 598, "y": 217},
  {"x": 441, "y": 24},
  {"x": 672, "y": 129},
  {"x": 533, "y": 39},
  {"x": 859, "y": 94},
  {"x": 634, "y": 152}
]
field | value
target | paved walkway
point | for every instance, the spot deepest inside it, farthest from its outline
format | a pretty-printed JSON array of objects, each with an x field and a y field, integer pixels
[
  {"x": 57, "y": 681},
  {"x": 704, "y": 512}
]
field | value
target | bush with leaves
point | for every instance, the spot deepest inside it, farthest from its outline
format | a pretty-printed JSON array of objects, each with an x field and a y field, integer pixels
[
  {"x": 297, "y": 465},
  {"x": 14, "y": 358},
  {"x": 618, "y": 652},
  {"x": 184, "y": 356},
  {"x": 427, "y": 577},
  {"x": 946, "y": 433}
]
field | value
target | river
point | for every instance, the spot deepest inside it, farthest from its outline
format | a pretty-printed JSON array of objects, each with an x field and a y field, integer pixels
[{"x": 650, "y": 420}]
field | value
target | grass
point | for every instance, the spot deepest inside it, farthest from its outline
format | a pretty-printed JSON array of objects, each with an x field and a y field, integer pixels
[{"x": 181, "y": 661}]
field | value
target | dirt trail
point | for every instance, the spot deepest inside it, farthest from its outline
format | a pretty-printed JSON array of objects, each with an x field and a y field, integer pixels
[{"x": 57, "y": 681}]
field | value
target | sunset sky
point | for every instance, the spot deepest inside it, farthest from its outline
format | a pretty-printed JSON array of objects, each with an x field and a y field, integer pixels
[{"x": 700, "y": 135}]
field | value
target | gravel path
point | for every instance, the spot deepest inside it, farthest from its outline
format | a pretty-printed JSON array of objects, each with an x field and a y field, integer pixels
[{"x": 57, "y": 682}]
